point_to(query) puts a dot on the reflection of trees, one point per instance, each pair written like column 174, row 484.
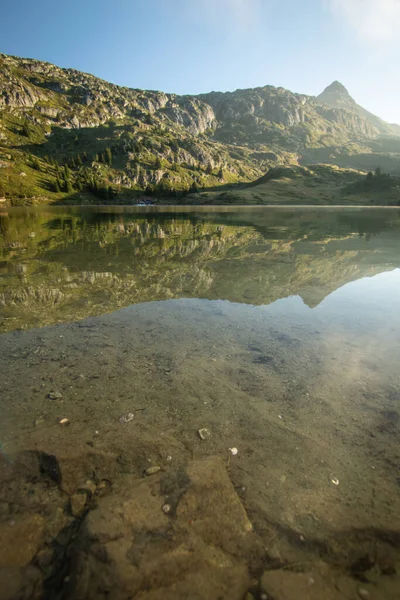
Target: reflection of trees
column 78, row 263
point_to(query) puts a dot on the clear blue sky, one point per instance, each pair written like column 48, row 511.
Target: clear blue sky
column 193, row 46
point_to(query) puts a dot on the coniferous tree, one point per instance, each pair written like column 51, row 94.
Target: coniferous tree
column 26, row 130
column 79, row 160
column 84, row 156
column 57, row 187
column 72, row 163
column 108, row 156
column 68, row 186
column 67, row 173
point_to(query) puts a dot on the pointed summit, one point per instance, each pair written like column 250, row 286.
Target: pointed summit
column 337, row 96
column 336, row 88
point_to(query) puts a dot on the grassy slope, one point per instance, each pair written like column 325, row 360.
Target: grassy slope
column 315, row 185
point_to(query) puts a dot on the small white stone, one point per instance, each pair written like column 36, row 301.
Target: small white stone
column 335, row 481
column 233, row 451
column 64, row 421
column 126, row 418
column 152, row 470
column 166, row 508
column 204, row 434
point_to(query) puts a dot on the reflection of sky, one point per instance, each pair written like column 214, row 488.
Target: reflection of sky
column 378, row 293
column 370, row 302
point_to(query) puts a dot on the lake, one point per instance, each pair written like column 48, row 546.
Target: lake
column 200, row 399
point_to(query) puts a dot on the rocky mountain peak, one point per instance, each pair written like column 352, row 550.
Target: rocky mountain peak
column 336, row 88
column 336, row 96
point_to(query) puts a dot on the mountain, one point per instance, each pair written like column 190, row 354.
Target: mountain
column 70, row 136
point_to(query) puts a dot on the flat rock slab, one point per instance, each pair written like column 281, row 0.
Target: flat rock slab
column 130, row 546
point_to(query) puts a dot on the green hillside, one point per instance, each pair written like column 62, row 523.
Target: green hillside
column 69, row 137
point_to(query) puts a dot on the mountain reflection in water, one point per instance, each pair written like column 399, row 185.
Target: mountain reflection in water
column 59, row 265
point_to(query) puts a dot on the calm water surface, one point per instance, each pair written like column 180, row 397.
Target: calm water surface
column 276, row 330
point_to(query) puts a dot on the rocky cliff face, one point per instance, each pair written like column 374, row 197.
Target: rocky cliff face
column 200, row 141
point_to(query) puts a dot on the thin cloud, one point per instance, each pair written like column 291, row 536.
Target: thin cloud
column 228, row 14
column 372, row 20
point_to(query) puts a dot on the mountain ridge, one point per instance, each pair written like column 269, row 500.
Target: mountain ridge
column 166, row 143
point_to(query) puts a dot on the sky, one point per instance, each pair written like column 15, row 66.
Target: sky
column 194, row 46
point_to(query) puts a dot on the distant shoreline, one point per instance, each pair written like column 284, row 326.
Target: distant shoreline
column 202, row 207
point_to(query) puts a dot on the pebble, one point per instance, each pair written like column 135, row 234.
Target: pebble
column 335, row 481
column 64, row 421
column 103, row 487
column 166, row 508
column 152, row 470
column 78, row 503
column 126, row 418
column 204, row 434
column 54, row 395
column 90, row 486
column 363, row 593
column 233, row 451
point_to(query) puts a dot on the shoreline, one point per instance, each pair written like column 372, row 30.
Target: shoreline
column 204, row 207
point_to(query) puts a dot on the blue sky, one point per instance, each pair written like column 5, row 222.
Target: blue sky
column 193, row 46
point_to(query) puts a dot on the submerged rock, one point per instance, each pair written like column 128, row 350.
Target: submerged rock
column 78, row 504
column 54, row 395
column 152, row 470
column 204, row 434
